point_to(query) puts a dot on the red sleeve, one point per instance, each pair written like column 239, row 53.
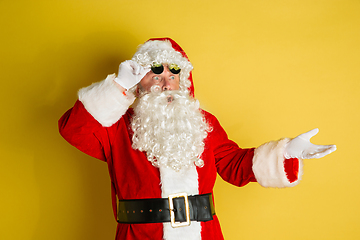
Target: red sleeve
column 233, row 164
column 81, row 130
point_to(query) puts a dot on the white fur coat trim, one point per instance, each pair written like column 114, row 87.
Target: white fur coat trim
column 105, row 102
column 268, row 165
column 176, row 182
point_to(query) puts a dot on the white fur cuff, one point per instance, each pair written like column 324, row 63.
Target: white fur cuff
column 268, row 165
column 105, row 102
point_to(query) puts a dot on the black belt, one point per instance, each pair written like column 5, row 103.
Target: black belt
column 156, row 210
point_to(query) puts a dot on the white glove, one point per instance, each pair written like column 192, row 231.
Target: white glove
column 130, row 74
column 301, row 147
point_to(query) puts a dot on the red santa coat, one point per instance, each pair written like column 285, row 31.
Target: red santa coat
column 133, row 176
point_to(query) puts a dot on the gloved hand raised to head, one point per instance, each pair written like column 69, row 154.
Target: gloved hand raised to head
column 301, row 147
column 130, row 74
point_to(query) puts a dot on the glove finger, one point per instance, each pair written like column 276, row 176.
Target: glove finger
column 143, row 72
column 320, row 151
column 127, row 64
column 136, row 68
column 125, row 77
column 309, row 134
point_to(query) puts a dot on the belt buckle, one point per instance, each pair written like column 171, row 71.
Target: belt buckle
column 172, row 214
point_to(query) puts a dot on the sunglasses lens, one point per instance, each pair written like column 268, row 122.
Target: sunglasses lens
column 174, row 71
column 174, row 68
column 157, row 69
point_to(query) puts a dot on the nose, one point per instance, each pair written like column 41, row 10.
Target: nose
column 165, row 77
column 166, row 85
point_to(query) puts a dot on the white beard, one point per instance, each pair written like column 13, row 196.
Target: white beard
column 170, row 128
column 170, row 131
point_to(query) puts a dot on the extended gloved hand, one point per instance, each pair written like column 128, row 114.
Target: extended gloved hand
column 301, row 147
column 130, row 74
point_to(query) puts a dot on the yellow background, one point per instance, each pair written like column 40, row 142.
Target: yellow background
column 266, row 69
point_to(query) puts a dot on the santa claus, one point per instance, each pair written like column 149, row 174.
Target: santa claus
column 164, row 152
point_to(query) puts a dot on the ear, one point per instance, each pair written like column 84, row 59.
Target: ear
column 137, row 91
